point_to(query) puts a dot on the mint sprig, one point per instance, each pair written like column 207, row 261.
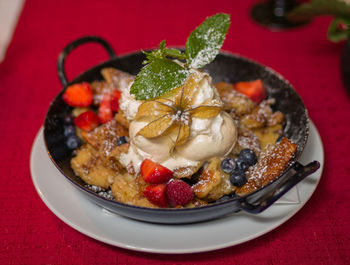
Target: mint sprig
column 168, row 68
column 204, row 42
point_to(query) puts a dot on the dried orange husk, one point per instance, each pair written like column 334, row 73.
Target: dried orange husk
column 188, row 92
column 154, row 109
column 157, row 127
column 205, row 112
column 183, row 133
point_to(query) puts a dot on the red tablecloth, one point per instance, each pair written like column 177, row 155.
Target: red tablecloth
column 31, row 234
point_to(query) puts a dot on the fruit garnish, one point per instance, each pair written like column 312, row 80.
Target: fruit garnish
column 73, row 142
column 121, row 140
column 178, row 193
column 254, row 90
column 78, row 95
column 156, row 194
column 87, row 121
column 168, row 115
column 105, row 113
column 228, row 165
column 154, row 173
column 115, row 100
column 162, row 73
column 248, row 155
column 238, row 178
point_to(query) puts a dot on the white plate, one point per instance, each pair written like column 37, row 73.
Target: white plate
column 72, row 207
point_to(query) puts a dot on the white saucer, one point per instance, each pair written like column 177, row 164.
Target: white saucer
column 71, row 206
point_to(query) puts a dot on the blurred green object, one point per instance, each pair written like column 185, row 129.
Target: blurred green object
column 272, row 14
column 339, row 29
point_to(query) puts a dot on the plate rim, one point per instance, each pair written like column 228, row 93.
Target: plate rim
column 66, row 219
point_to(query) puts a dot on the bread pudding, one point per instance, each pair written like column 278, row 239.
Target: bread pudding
column 112, row 155
column 171, row 138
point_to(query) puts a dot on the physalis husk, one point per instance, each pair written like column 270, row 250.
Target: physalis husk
column 176, row 113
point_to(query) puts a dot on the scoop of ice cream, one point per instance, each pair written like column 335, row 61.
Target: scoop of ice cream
column 209, row 137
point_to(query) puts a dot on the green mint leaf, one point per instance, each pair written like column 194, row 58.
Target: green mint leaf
column 338, row 30
column 175, row 53
column 157, row 78
column 336, row 8
column 162, row 45
column 205, row 41
column 163, row 53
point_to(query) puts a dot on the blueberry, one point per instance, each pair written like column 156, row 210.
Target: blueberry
column 69, row 130
column 68, row 118
column 248, row 156
column 73, row 142
column 122, row 140
column 238, row 178
column 228, row 165
column 242, row 165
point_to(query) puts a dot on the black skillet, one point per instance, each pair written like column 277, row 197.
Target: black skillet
column 226, row 67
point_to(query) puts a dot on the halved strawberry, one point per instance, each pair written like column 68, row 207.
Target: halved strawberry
column 156, row 194
column 87, row 121
column 115, row 100
column 78, row 95
column 254, row 90
column 154, row 173
column 105, row 113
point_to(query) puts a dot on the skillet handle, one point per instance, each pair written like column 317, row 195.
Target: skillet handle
column 70, row 47
column 301, row 172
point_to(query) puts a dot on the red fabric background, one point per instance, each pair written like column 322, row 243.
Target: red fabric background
column 31, row 234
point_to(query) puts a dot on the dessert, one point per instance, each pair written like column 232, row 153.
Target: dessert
column 170, row 137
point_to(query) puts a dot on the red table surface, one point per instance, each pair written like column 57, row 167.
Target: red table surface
column 31, row 234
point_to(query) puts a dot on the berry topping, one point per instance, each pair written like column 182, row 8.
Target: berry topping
column 154, row 173
column 115, row 100
column 69, row 130
column 254, row 90
column 105, row 113
column 178, row 193
column 73, row 142
column 228, row 165
column 121, row 140
column 87, row 121
column 242, row 165
column 248, row 156
column 68, row 119
column 156, row 194
column 238, row 178
column 78, row 95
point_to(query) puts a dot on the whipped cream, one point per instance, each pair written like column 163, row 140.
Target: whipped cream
column 128, row 103
column 211, row 137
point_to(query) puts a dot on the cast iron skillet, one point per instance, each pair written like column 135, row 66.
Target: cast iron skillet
column 226, row 67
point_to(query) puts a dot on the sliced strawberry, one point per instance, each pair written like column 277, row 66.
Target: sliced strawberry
column 156, row 194
column 115, row 100
column 254, row 90
column 105, row 113
column 178, row 192
column 154, row 173
column 87, row 121
column 78, row 95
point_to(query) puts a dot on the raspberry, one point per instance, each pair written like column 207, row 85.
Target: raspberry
column 178, row 193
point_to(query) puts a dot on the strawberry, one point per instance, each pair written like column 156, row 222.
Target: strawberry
column 178, row 192
column 78, row 95
column 254, row 90
column 86, row 121
column 115, row 100
column 156, row 194
column 105, row 113
column 154, row 173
